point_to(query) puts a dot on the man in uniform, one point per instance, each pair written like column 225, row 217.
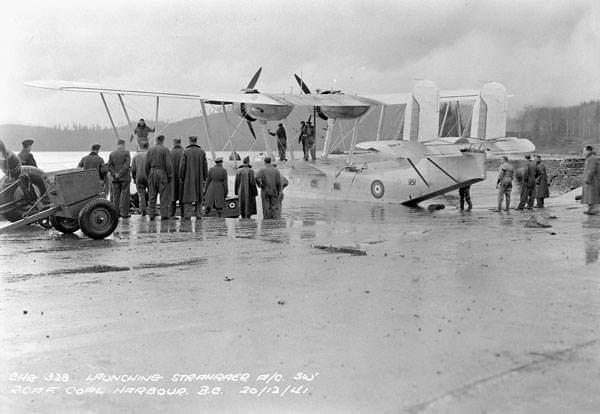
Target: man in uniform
column 159, row 170
column 528, row 190
column 138, row 173
column 541, row 182
column 465, row 195
column 302, row 139
column 504, row 183
column 245, row 189
column 118, row 165
column 141, row 132
column 25, row 155
column 270, row 183
column 311, row 142
column 216, row 187
column 193, row 170
column 93, row 161
column 281, row 141
column 591, row 180
column 176, row 187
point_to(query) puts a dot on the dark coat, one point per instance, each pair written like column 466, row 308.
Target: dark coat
column 216, row 187
column 193, row 171
column 27, row 158
column 245, row 188
column 93, row 161
column 118, row 165
column 159, row 157
column 530, row 173
column 591, row 180
column 269, row 180
column 541, row 182
column 176, row 154
column 138, row 168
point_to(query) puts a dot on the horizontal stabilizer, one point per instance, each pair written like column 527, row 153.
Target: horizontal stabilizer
column 508, row 145
column 396, row 148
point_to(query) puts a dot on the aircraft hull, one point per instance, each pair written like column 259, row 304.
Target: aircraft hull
column 390, row 181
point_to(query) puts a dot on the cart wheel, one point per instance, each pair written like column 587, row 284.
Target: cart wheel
column 65, row 225
column 98, row 218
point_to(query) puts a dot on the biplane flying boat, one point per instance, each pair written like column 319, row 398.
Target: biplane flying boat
column 419, row 163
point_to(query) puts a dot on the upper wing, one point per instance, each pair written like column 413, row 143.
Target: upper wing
column 226, row 98
column 229, row 98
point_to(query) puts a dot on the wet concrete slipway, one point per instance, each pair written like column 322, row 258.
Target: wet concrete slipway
column 444, row 312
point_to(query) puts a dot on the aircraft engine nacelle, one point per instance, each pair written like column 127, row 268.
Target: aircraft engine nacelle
column 344, row 112
column 252, row 112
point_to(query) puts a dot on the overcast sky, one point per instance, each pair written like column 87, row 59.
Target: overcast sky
column 544, row 52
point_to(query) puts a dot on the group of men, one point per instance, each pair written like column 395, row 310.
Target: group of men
column 306, row 138
column 182, row 175
column 531, row 179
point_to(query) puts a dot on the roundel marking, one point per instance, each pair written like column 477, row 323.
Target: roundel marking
column 377, row 189
column 231, row 205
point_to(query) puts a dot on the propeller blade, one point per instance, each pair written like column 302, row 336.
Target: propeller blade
column 251, row 128
column 303, row 85
column 254, row 79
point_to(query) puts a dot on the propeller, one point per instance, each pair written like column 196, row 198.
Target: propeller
column 306, row 90
column 252, row 83
column 250, row 88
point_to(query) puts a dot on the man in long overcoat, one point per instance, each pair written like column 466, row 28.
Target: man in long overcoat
column 176, row 185
column 193, row 171
column 270, row 183
column 119, row 163
column 216, row 188
column 159, row 170
column 528, row 190
column 591, row 180
column 541, row 182
column 245, row 189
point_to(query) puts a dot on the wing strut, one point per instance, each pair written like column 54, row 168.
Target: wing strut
column 156, row 118
column 412, row 164
column 442, row 170
column 109, row 115
column 380, row 124
column 207, row 129
column 126, row 115
column 230, row 141
column 353, row 142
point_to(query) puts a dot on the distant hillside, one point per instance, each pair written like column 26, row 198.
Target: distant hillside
column 80, row 138
column 562, row 130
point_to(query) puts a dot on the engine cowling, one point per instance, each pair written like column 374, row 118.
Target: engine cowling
column 253, row 112
column 344, row 112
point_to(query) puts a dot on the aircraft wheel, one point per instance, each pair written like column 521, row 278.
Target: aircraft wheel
column 65, row 225
column 98, row 218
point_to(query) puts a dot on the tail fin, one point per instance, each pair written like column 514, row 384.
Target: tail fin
column 422, row 113
column 489, row 112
